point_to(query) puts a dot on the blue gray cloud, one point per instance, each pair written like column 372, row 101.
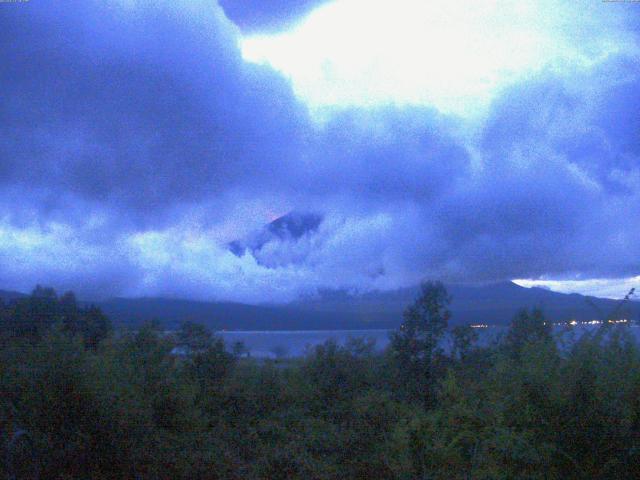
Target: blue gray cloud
column 136, row 144
column 267, row 15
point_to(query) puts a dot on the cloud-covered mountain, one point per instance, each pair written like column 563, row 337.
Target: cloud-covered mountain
column 137, row 143
column 493, row 304
column 287, row 228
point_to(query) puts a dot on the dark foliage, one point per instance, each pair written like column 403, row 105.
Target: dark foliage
column 79, row 403
column 416, row 345
column 34, row 316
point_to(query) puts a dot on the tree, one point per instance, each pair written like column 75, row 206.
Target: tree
column 209, row 366
column 194, row 336
column 34, row 315
column 527, row 327
column 95, row 326
column 70, row 312
column 463, row 338
column 416, row 343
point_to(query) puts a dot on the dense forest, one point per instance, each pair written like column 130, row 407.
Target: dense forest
column 80, row 400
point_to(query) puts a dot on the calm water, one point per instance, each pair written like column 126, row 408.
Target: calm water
column 274, row 344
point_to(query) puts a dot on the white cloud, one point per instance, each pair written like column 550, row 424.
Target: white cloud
column 605, row 288
column 452, row 55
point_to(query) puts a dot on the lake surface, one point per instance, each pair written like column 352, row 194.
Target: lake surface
column 287, row 343
column 281, row 344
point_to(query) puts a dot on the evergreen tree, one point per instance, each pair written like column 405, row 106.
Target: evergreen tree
column 417, row 343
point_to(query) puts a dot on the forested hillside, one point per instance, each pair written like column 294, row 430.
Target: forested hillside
column 493, row 304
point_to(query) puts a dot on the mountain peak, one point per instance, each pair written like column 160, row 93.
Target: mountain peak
column 295, row 224
column 292, row 226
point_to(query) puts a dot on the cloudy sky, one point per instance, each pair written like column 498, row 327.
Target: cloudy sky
column 465, row 141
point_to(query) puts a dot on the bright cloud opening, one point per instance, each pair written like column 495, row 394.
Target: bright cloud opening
column 452, row 55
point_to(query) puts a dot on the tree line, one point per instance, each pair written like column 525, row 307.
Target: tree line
column 82, row 401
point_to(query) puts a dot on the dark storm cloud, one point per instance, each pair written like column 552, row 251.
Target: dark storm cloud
column 559, row 180
column 268, row 15
column 553, row 191
column 119, row 117
column 389, row 153
column 136, row 144
column 143, row 107
column 589, row 119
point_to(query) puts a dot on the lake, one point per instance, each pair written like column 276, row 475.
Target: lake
column 281, row 343
column 287, row 343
